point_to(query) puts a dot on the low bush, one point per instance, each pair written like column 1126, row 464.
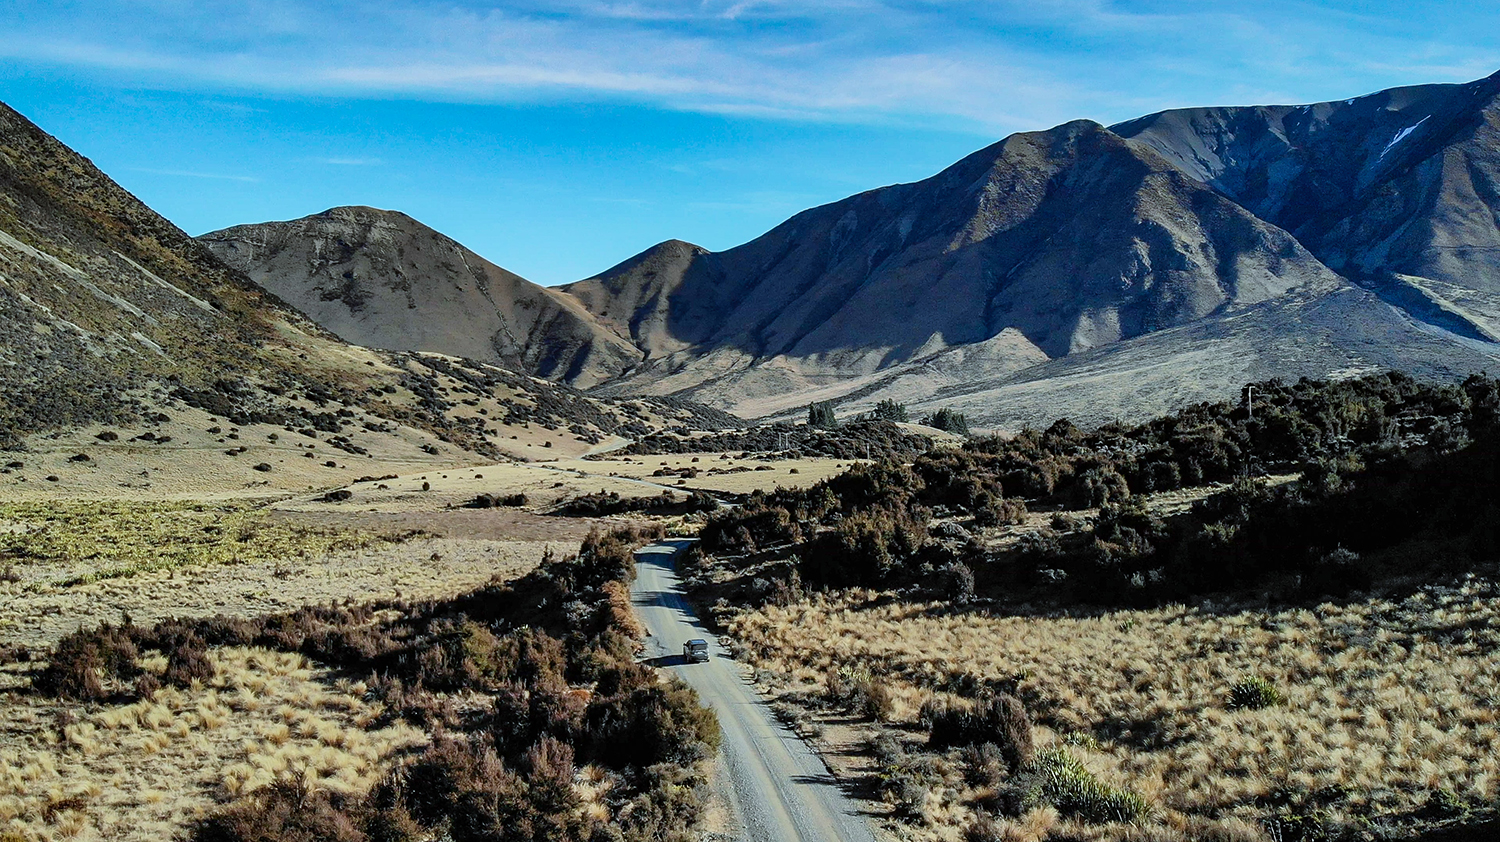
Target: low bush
column 1253, row 693
column 496, row 501
column 997, row 719
column 1058, row 779
column 604, row 504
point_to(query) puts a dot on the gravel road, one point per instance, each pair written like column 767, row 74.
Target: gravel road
column 778, row 788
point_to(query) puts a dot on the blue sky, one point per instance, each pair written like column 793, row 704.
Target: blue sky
column 558, row 137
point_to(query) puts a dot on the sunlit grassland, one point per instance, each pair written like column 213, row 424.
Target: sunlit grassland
column 86, row 542
column 144, row 769
column 1388, row 708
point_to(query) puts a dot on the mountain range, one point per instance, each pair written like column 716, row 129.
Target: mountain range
column 127, row 348
column 1099, row 272
column 1102, row 271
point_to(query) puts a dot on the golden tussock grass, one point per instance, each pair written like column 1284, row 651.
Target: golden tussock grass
column 418, row 569
column 141, row 771
column 1386, row 701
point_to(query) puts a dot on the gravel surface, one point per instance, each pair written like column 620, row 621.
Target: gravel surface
column 779, row 789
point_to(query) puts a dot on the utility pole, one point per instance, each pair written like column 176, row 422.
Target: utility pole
column 1250, row 403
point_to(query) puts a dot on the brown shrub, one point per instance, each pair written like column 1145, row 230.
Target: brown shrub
column 188, row 662
column 994, row 718
column 283, row 812
column 81, row 663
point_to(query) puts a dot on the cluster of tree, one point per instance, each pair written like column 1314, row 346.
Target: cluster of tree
column 859, row 439
column 889, row 410
column 820, row 416
column 554, row 652
column 605, row 503
column 1373, row 436
column 948, row 421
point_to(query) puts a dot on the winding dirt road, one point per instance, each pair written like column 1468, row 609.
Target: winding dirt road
column 779, row 789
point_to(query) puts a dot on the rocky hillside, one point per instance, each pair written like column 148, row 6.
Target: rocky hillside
column 1116, row 271
column 382, row 279
column 132, row 358
column 105, row 304
column 1099, row 271
column 1396, row 190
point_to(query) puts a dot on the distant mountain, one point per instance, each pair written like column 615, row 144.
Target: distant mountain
column 122, row 335
column 1289, row 233
column 1398, row 191
column 382, row 279
column 1144, row 265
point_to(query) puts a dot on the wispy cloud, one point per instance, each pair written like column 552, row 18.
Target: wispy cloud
column 190, row 174
column 1001, row 64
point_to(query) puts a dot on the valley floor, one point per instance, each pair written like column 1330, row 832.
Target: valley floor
column 1388, row 706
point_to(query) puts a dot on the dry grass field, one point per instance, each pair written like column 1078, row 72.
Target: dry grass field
column 548, row 483
column 143, row 770
column 1387, row 709
column 72, row 564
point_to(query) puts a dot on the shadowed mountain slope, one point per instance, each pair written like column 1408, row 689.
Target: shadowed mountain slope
column 1301, row 240
column 1396, row 190
column 1088, row 241
column 382, row 279
column 1069, row 239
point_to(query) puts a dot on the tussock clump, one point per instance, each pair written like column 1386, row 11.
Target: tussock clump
column 1057, row 779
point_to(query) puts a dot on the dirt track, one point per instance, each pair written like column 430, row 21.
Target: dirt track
column 779, row 789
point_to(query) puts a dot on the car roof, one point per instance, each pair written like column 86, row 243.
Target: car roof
column 697, row 640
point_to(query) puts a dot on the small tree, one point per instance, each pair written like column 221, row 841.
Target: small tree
column 889, row 410
column 820, row 415
column 948, row 421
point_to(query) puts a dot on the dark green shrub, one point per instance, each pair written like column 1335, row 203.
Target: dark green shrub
column 1097, row 487
column 1337, row 573
column 1001, row 511
column 1057, row 778
column 864, row 548
column 1253, row 693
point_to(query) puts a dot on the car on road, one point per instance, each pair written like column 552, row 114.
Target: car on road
column 695, row 650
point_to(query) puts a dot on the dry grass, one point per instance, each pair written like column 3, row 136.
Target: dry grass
column 140, row 771
column 418, row 569
column 81, row 542
column 1387, row 703
column 144, row 770
column 548, row 483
